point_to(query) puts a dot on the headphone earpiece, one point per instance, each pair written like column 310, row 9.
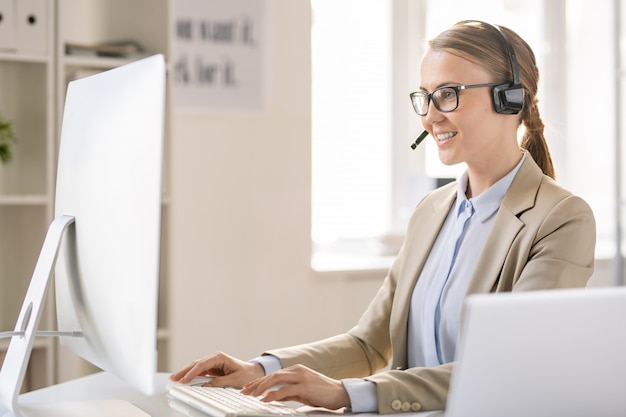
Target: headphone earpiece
column 508, row 98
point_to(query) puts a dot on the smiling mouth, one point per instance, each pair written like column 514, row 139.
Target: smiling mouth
column 445, row 136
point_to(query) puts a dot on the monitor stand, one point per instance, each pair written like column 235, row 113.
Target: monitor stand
column 22, row 339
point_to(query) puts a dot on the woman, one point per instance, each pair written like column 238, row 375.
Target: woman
column 504, row 225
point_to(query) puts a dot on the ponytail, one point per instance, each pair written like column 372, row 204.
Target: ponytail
column 533, row 140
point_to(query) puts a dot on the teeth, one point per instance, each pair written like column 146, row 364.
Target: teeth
column 444, row 136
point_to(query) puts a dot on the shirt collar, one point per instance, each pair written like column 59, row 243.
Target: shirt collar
column 487, row 203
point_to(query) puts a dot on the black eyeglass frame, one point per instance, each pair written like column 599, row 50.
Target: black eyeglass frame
column 429, row 96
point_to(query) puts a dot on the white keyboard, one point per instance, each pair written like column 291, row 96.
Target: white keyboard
column 227, row 402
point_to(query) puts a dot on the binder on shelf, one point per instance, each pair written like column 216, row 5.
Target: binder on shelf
column 31, row 25
column 114, row 49
column 7, row 25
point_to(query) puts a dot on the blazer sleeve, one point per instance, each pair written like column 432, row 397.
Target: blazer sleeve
column 362, row 351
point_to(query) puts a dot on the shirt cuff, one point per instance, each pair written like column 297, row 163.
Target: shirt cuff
column 268, row 362
column 362, row 393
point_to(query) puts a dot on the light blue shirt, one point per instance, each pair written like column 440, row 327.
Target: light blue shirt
column 439, row 344
column 434, row 343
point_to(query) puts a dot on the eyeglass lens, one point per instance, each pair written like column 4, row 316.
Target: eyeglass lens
column 445, row 99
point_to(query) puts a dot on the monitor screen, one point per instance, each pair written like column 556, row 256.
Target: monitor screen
column 109, row 178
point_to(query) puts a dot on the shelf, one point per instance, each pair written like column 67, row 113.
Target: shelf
column 23, row 58
column 163, row 334
column 37, row 344
column 96, row 62
column 24, row 200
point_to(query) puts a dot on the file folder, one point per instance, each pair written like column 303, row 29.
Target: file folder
column 7, row 25
column 32, row 22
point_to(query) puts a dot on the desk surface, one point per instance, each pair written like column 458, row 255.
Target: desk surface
column 105, row 386
column 100, row 386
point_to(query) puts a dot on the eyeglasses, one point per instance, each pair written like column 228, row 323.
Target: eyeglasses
column 445, row 99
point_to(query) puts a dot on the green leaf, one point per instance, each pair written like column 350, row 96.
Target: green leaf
column 7, row 137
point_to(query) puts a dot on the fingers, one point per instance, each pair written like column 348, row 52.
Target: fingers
column 234, row 380
column 268, row 391
column 299, row 383
column 287, row 377
column 288, row 393
column 177, row 376
column 226, row 370
column 217, row 364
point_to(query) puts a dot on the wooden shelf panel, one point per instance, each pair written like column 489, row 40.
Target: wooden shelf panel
column 24, row 58
column 24, row 200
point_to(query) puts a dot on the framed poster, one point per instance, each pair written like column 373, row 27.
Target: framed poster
column 218, row 53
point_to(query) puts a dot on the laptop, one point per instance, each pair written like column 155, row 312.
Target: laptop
column 542, row 353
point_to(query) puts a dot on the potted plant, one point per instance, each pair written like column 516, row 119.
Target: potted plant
column 7, row 139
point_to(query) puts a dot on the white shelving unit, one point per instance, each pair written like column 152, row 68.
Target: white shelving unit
column 33, row 81
column 27, row 86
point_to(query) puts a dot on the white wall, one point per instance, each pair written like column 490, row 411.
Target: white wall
column 240, row 193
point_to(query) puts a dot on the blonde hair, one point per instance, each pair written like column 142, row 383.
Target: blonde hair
column 481, row 43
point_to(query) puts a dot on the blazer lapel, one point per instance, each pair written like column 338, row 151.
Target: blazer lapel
column 519, row 198
column 422, row 232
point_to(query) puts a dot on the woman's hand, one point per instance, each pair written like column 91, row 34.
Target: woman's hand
column 226, row 370
column 302, row 384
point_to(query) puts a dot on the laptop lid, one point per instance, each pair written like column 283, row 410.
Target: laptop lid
column 551, row 353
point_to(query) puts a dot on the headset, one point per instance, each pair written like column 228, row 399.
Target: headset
column 508, row 98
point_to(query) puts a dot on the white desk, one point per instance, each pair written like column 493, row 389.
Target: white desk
column 104, row 386
column 99, row 386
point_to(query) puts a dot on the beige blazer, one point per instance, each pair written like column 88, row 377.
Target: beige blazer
column 543, row 237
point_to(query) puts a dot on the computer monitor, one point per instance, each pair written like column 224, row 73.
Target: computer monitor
column 106, row 230
column 109, row 180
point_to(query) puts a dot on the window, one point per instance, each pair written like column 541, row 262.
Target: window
column 351, row 71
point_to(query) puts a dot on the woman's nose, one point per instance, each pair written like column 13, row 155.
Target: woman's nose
column 434, row 114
